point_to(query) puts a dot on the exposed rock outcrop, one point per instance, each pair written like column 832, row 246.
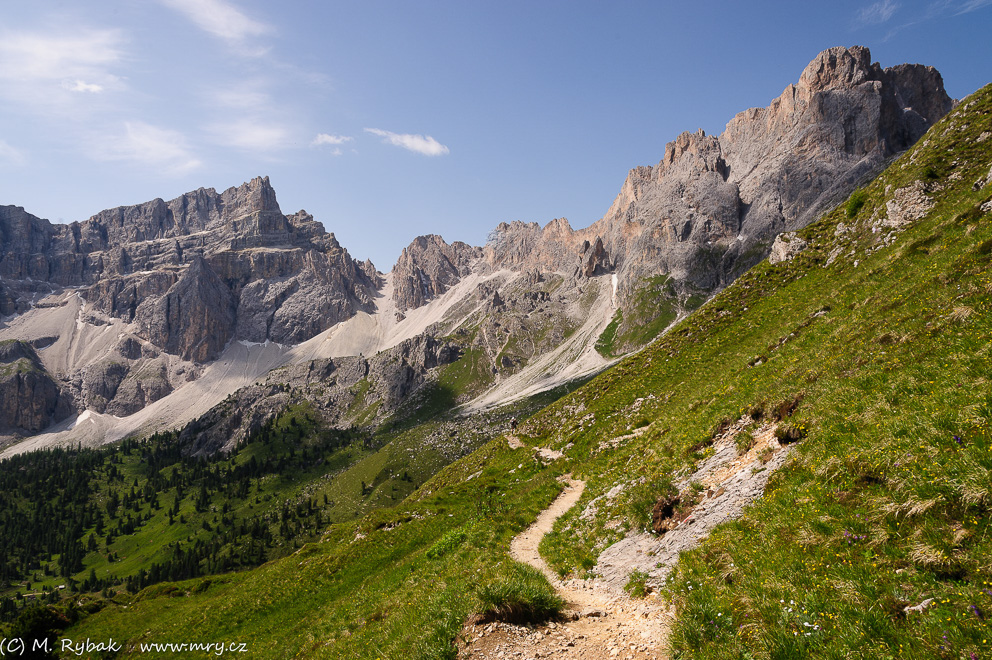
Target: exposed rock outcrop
column 428, row 267
column 265, row 275
column 712, row 207
column 30, row 399
column 907, row 205
column 144, row 384
column 349, row 391
column 194, row 319
column 786, row 246
column 554, row 248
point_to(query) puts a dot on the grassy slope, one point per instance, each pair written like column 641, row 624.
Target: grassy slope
column 367, row 589
column 881, row 507
column 343, row 484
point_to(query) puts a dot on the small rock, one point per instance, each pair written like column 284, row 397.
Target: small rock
column 918, row 608
column 786, row 246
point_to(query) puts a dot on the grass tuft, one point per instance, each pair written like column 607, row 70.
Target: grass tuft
column 637, row 585
column 521, row 595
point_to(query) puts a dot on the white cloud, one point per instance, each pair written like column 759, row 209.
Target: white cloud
column 878, row 12
column 9, row 155
column 223, row 20
column 326, row 138
column 148, row 145
column 940, row 9
column 82, row 86
column 251, row 134
column 422, row 144
column 80, row 61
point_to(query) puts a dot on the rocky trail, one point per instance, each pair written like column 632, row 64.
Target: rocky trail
column 602, row 622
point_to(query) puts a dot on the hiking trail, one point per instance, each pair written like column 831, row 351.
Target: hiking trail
column 605, row 622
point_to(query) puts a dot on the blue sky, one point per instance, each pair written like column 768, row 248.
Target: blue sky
column 387, row 120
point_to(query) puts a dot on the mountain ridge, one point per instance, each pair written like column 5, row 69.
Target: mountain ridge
column 182, row 282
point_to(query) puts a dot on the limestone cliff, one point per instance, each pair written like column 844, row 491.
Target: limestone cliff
column 30, row 399
column 194, row 272
column 711, row 208
column 428, row 267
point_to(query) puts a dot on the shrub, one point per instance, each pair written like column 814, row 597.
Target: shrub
column 856, row 201
column 446, row 544
column 642, row 499
column 789, row 433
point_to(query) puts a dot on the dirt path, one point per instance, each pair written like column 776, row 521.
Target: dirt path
column 602, row 623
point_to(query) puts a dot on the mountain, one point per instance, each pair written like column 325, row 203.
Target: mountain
column 849, row 379
column 195, row 272
column 151, row 315
column 713, row 205
column 177, row 282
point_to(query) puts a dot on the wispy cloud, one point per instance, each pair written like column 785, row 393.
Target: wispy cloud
column 10, row 155
column 81, row 61
column 82, row 86
column 422, row 144
column 970, row 6
column 327, row 138
column 224, row 21
column 148, row 145
column 940, row 9
column 244, row 96
column 878, row 12
column 251, row 134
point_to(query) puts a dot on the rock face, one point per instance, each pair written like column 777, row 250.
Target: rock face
column 711, row 208
column 428, row 267
column 349, row 391
column 132, row 376
column 194, row 319
column 192, row 273
column 180, row 280
column 30, row 400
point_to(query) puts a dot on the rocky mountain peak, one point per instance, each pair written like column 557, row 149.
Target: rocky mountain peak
column 557, row 228
column 428, row 267
column 696, row 152
column 837, row 67
column 255, row 196
column 193, row 272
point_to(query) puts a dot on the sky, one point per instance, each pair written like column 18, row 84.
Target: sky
column 388, row 120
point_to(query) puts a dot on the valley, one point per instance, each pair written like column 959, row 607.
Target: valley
column 338, row 481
